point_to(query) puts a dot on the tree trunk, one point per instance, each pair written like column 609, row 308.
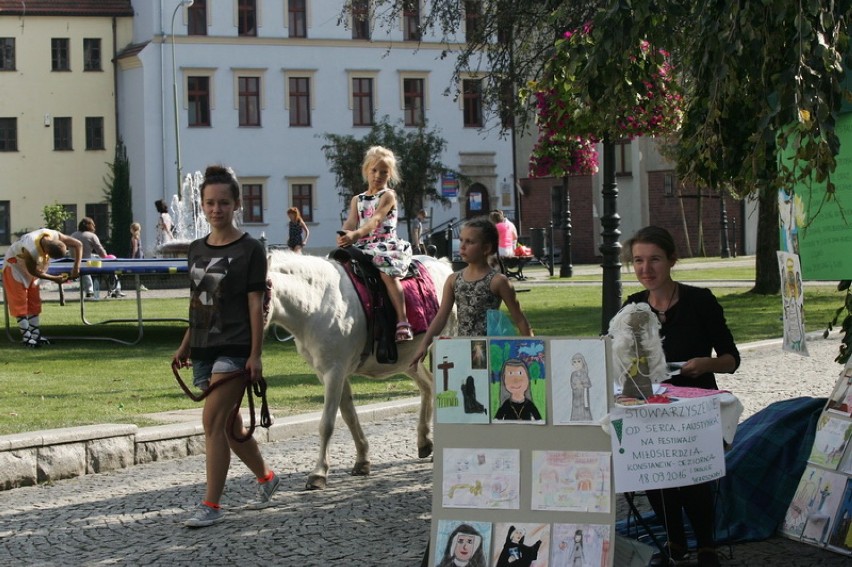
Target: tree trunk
column 767, row 280
column 685, row 225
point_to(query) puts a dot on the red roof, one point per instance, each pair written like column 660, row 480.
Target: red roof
column 66, row 8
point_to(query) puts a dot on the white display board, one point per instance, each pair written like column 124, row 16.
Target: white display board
column 522, row 466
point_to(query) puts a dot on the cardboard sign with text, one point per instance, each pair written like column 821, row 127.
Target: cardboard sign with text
column 667, row 445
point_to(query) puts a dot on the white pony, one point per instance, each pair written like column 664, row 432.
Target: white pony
column 314, row 299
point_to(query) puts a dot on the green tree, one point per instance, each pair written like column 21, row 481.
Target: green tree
column 119, row 194
column 55, row 216
column 419, row 159
column 759, row 76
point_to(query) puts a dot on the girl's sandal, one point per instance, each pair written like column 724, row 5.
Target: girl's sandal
column 403, row 332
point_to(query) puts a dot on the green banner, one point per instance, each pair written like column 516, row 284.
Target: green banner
column 822, row 228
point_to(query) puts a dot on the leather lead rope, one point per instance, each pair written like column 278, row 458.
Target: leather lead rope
column 258, row 388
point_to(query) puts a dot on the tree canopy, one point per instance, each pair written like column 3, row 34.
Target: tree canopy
column 761, row 78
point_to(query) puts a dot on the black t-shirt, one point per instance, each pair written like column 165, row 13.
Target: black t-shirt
column 221, row 277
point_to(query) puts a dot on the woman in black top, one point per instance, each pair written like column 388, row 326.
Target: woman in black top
column 693, row 327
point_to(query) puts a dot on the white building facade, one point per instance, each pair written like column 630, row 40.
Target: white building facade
column 258, row 84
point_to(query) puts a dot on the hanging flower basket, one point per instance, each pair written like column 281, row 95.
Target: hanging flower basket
column 573, row 114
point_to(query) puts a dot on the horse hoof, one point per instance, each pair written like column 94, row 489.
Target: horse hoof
column 361, row 469
column 316, row 482
column 424, row 451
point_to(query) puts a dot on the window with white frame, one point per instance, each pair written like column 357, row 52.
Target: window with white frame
column 199, row 96
column 413, row 89
column 8, row 134
column 472, row 102
column 411, row 20
column 623, row 159
column 302, row 196
column 360, row 11
column 297, row 18
column 7, row 53
column 299, row 96
column 92, row 54
column 247, row 18
column 6, row 222
column 196, row 17
column 62, row 138
column 60, row 59
column 249, row 95
column 363, row 99
column 252, row 201
column 95, row 133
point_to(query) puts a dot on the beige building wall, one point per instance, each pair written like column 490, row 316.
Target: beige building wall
column 36, row 174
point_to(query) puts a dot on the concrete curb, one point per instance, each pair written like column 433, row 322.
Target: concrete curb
column 46, row 456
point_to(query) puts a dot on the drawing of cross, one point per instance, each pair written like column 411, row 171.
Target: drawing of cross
column 445, row 366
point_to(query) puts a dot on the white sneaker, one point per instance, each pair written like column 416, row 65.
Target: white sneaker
column 265, row 490
column 205, row 516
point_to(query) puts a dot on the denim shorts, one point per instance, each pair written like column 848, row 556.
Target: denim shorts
column 202, row 370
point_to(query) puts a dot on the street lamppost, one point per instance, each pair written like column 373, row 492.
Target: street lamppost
column 610, row 247
column 565, row 268
column 723, row 221
column 181, row 4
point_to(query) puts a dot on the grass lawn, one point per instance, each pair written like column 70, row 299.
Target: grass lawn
column 74, row 383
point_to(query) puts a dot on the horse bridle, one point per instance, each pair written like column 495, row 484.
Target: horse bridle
column 258, row 387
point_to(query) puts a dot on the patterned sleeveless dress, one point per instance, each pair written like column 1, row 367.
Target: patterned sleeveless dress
column 390, row 254
column 473, row 300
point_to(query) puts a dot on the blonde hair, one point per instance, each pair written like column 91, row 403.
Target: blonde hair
column 377, row 154
column 135, row 229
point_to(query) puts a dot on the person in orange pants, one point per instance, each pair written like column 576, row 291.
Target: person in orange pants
column 24, row 264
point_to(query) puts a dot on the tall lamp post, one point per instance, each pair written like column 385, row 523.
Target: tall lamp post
column 565, row 268
column 723, row 222
column 181, row 4
column 610, row 247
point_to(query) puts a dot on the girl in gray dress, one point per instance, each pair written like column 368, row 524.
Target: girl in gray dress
column 475, row 289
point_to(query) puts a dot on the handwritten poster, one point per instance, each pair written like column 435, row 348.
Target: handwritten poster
column 481, row 478
column 667, row 445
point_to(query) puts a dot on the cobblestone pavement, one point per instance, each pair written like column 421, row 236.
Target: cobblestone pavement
column 134, row 516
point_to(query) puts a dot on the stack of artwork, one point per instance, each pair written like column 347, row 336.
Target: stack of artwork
column 821, row 510
column 508, row 494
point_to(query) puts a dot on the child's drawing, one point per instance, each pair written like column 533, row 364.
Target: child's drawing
column 481, row 478
column 461, row 381
column 518, row 384
column 571, row 481
column 579, row 377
